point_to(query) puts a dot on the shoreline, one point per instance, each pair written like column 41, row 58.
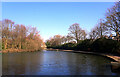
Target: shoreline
column 115, row 60
column 112, row 57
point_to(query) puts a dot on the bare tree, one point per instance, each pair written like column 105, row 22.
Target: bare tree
column 99, row 31
column 101, row 28
column 55, row 40
column 15, row 36
column 93, row 34
column 0, row 28
column 113, row 19
column 64, row 39
column 76, row 32
column 83, row 36
column 6, row 31
column 69, row 38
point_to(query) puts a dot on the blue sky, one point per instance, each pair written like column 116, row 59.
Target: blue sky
column 53, row 18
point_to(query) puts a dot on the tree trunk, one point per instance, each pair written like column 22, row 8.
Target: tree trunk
column 12, row 46
column 20, row 45
column 5, row 47
column 117, row 36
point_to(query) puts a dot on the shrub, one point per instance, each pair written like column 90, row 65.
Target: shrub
column 84, row 45
column 68, row 46
column 104, row 45
column 117, row 49
column 65, row 46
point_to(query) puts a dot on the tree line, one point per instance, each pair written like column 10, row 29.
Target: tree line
column 18, row 37
column 98, row 36
column 111, row 23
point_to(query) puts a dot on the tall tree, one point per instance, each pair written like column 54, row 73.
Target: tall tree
column 84, row 34
column 113, row 19
column 76, row 32
column 6, row 31
column 0, row 35
column 101, row 28
column 64, row 39
column 69, row 38
column 99, row 31
column 55, row 40
column 15, row 36
column 93, row 34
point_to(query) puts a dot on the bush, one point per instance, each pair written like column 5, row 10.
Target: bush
column 84, row 45
column 68, row 46
column 104, row 45
column 117, row 49
column 65, row 46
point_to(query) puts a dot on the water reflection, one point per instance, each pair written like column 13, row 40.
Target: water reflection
column 55, row 63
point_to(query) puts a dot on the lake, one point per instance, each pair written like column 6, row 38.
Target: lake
column 55, row 63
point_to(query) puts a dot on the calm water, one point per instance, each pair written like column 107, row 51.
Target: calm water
column 55, row 63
